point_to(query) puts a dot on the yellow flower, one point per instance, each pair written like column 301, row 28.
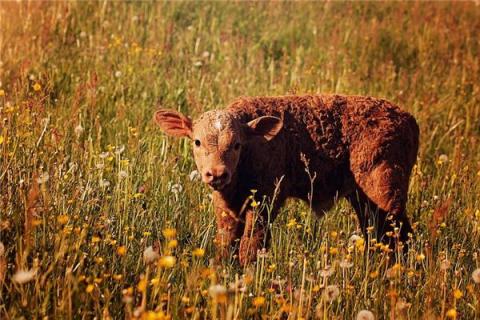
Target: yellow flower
column 258, row 301
column 373, row 274
column 121, row 251
column 142, row 285
column 254, row 203
column 334, row 234
column 167, row 261
column 452, row 314
column 62, row 219
column 420, row 257
column 89, row 288
column 2, row 92
column 169, row 233
column 95, row 239
column 199, row 252
column 37, row 87
column 291, row 223
column 172, row 244
column 457, row 294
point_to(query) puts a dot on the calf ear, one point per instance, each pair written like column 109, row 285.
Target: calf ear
column 266, row 126
column 173, row 123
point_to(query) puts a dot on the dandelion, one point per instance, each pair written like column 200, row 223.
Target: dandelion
column 122, row 174
column 258, row 301
column 79, row 130
column 150, row 255
column 365, row 315
column 327, row 271
column 345, row 264
column 37, row 87
column 420, row 257
column 332, row 292
column 476, row 275
column 218, row 292
column 43, row 177
column 142, row 285
column 121, row 251
column 169, row 233
column 24, row 276
column 104, row 183
column 172, row 244
column 354, row 240
column 199, row 252
column 457, row 294
column 167, row 261
column 194, row 175
column 442, row 158
column 452, row 314
column 90, row 288
column 118, row 74
column 62, row 219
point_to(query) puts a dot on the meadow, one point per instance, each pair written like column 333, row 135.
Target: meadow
column 103, row 217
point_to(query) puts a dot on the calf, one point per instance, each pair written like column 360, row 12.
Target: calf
column 359, row 148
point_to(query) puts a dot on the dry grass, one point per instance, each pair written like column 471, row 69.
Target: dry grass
column 88, row 184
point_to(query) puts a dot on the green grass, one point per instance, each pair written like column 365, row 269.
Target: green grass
column 79, row 84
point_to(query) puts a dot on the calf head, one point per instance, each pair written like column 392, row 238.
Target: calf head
column 218, row 138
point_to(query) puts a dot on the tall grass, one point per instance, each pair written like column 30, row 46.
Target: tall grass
column 99, row 216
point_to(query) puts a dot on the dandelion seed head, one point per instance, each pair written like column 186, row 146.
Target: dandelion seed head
column 24, row 276
column 365, row 315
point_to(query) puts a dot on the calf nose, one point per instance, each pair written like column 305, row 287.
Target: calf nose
column 216, row 176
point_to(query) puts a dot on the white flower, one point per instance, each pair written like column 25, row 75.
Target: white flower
column 217, row 290
column 83, row 34
column 2, row 249
column 443, row 158
column 476, row 275
column 332, row 292
column 43, row 177
column 354, row 239
column 198, row 64
column 194, row 175
column 103, row 155
column 327, row 271
column 78, row 130
column 119, row 150
column 122, row 174
column 118, row 74
column 104, row 183
column 345, row 264
column 150, row 255
column 365, row 315
column 24, row 276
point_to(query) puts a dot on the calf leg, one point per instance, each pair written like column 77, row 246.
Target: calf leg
column 255, row 235
column 382, row 195
column 229, row 228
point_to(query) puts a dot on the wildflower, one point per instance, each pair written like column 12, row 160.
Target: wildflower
column 24, row 276
column 327, row 271
column 118, row 74
column 194, row 175
column 334, row 234
column 373, row 274
column 172, row 244
column 442, row 158
column 37, row 87
column 457, row 294
column 150, row 255
column 121, row 251
column 332, row 292
column 258, row 301
column 122, row 174
column 365, row 315
column 452, row 314
column 90, row 288
column 199, row 252
column 79, row 130
column 43, row 177
column 167, row 261
column 218, row 292
column 119, row 150
column 476, row 275
column 104, row 183
column 345, row 264
column 62, row 219
column 169, row 233
column 142, row 285
column 354, row 240
column 420, row 257
column 291, row 223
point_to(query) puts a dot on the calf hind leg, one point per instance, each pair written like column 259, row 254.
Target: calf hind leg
column 381, row 196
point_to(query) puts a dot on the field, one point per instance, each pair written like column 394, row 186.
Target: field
column 100, row 216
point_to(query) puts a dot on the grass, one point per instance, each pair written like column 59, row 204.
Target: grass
column 88, row 183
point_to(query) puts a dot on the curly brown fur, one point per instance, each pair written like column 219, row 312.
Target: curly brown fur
column 360, row 148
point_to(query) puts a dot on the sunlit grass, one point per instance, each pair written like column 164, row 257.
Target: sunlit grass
column 101, row 216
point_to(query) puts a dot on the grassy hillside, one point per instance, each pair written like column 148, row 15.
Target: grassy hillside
column 88, row 183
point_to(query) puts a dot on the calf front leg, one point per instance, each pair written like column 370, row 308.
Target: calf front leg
column 255, row 235
column 229, row 228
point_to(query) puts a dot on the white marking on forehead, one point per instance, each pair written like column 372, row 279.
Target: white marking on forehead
column 218, row 124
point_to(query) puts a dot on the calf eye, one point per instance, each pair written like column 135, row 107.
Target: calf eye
column 236, row 146
column 197, row 143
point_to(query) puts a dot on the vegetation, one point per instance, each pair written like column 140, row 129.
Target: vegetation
column 101, row 216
